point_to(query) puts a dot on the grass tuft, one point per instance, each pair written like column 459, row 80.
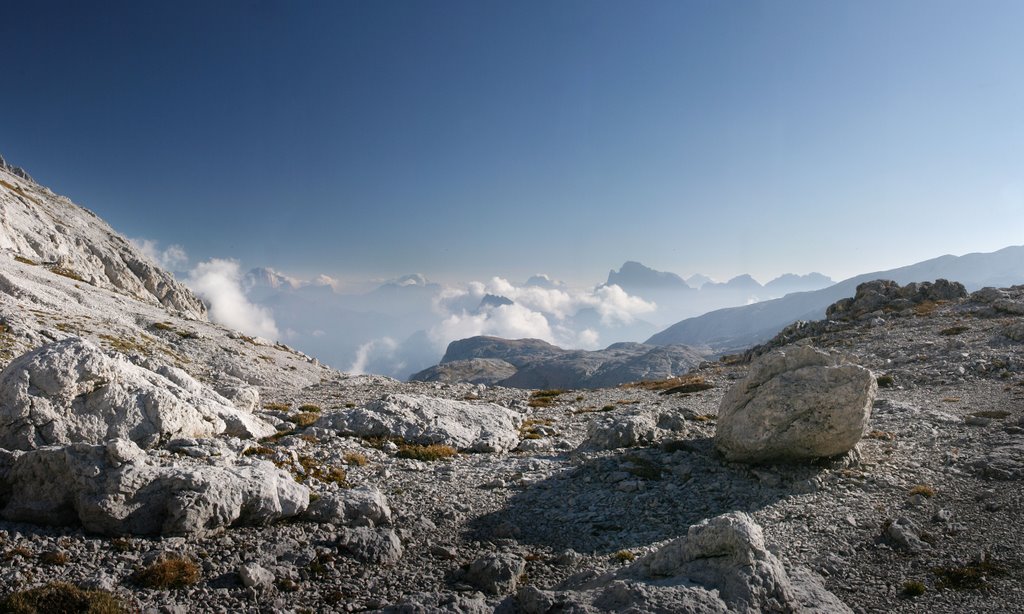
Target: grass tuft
column 357, row 459
column 432, row 452
column 923, row 490
column 913, row 588
column 967, row 577
column 171, row 572
column 60, row 597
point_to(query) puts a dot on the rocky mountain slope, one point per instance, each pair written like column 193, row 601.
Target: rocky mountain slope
column 734, row 328
column 156, row 462
column 532, row 363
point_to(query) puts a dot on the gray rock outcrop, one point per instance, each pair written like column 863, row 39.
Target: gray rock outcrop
column 721, row 565
column 882, row 295
column 793, row 405
column 72, row 391
column 119, row 489
column 45, row 228
column 482, row 427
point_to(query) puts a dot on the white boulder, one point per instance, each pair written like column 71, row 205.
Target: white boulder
column 118, row 489
column 800, row 403
column 477, row 427
column 720, row 565
column 72, row 391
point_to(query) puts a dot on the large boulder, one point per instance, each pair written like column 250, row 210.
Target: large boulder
column 796, row 404
column 72, row 391
column 720, row 565
column 477, row 427
column 119, row 489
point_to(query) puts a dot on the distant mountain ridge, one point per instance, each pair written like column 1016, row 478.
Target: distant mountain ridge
column 736, row 328
column 532, row 363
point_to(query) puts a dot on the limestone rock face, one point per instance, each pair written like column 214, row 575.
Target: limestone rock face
column 721, row 565
column 118, row 489
column 792, row 405
column 72, row 391
column 49, row 229
column 481, row 427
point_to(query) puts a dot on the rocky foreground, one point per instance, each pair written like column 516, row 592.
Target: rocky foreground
column 153, row 461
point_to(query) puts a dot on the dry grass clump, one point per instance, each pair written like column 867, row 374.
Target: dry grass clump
column 432, row 452
column 544, row 398
column 25, row 260
column 885, row 381
column 624, row 556
column 967, row 577
column 914, row 588
column 66, row 272
column 328, row 474
column 881, row 435
column 306, row 418
column 163, row 326
column 277, row 406
column 357, row 459
column 529, row 428
column 21, row 551
column 59, row 598
column 922, row 489
column 309, row 408
column 54, row 557
column 926, row 308
column 171, row 572
column 954, row 330
column 683, row 384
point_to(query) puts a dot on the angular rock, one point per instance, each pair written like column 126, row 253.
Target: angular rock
column 118, row 489
column 72, row 391
column 253, row 575
column 496, row 574
column 905, row 535
column 378, row 546
column 363, row 506
column 792, row 405
column 611, row 432
column 721, row 565
column 483, row 427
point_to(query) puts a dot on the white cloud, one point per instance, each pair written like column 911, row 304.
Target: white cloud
column 616, row 306
column 219, row 283
column 508, row 321
column 537, row 312
column 172, row 258
column 385, row 345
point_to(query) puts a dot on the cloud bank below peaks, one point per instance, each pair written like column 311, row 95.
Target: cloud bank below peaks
column 219, row 283
column 539, row 311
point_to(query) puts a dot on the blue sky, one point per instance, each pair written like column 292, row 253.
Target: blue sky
column 470, row 139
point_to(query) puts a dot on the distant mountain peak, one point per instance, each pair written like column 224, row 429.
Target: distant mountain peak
column 413, row 279
column 634, row 275
column 270, row 278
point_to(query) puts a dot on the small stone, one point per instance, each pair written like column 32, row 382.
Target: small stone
column 255, row 576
